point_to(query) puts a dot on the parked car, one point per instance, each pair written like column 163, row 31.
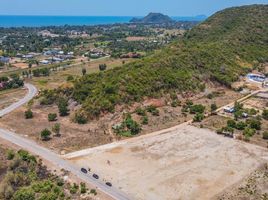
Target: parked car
column 84, row 170
column 109, row 184
column 95, row 176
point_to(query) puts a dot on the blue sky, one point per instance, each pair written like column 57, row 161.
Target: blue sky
column 118, row 7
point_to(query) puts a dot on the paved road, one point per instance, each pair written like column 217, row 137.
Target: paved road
column 50, row 156
column 32, row 91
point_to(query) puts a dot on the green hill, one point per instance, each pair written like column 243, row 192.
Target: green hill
column 220, row 49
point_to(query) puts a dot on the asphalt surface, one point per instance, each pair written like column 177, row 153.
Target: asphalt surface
column 32, row 91
column 50, row 156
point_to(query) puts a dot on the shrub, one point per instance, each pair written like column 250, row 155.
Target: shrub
column 132, row 125
column 198, row 117
column 83, row 188
column 175, row 103
column 254, row 123
column 70, row 78
column 10, row 154
column 197, row 109
column 45, row 134
column 24, row 194
column 153, row 110
column 231, row 123
column 56, row 129
column 140, row 111
column 63, row 107
column 265, row 135
column 52, row 117
column 265, row 114
column 241, row 125
column 102, row 67
column 249, row 132
column 28, row 114
column 144, row 120
column 213, row 107
column 93, row 191
column 80, row 117
column 74, row 188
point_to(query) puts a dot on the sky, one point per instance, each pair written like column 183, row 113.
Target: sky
column 118, row 7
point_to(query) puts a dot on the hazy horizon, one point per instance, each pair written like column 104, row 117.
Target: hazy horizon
column 175, row 8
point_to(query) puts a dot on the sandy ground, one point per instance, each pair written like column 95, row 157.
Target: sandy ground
column 187, row 163
column 7, row 97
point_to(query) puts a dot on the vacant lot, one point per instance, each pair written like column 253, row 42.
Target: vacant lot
column 186, row 163
column 7, row 97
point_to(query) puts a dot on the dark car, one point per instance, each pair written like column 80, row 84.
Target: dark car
column 95, row 176
column 84, row 170
column 109, row 184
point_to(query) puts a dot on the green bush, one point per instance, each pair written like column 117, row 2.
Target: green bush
column 63, row 107
column 197, row 109
column 45, row 134
column 80, row 117
column 254, row 124
column 241, row 125
column 10, row 154
column 265, row 114
column 52, row 117
column 198, row 117
column 140, row 111
column 265, row 135
column 28, row 114
column 153, row 110
column 145, row 120
column 83, row 188
column 231, row 123
column 249, row 132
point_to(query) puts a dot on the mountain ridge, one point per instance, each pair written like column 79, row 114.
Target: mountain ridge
column 157, row 18
column 225, row 46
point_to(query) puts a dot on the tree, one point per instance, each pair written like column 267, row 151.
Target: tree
column 231, row 123
column 45, row 134
column 63, row 107
column 254, row 124
column 249, row 132
column 84, row 71
column 102, row 67
column 241, row 125
column 197, row 109
column 52, row 117
column 28, row 114
column 213, row 107
column 56, row 129
column 30, row 65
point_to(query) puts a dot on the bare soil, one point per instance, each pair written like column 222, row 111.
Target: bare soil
column 251, row 188
column 188, row 163
column 7, row 97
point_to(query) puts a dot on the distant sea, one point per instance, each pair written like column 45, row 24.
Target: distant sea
column 37, row 21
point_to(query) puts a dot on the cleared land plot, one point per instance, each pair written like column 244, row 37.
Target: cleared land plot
column 187, row 163
column 7, row 97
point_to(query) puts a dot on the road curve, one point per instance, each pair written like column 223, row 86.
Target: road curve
column 50, row 156
column 32, row 91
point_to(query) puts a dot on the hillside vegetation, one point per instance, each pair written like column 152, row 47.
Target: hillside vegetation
column 220, row 49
